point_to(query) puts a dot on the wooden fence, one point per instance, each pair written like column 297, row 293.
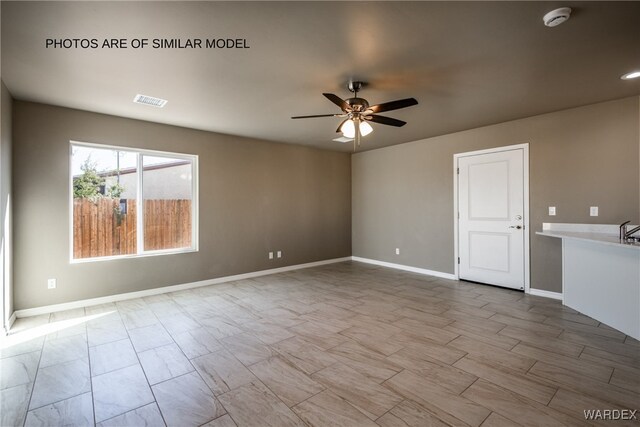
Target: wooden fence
column 100, row 230
column 167, row 224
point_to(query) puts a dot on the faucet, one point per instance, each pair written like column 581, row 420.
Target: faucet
column 630, row 232
column 626, row 234
column 623, row 230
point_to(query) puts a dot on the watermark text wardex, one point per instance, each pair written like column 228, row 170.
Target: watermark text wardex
column 610, row 414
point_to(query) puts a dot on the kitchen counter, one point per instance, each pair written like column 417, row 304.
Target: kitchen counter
column 600, row 274
column 605, row 234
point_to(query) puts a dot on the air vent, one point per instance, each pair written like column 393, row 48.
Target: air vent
column 343, row 139
column 150, row 100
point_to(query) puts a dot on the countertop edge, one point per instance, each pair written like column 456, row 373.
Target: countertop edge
column 604, row 239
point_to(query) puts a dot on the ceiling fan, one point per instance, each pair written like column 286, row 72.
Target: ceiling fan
column 357, row 113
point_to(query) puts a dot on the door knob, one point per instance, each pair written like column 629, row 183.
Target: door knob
column 518, row 217
column 517, row 227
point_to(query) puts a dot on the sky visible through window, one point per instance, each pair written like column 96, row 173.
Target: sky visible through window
column 106, row 159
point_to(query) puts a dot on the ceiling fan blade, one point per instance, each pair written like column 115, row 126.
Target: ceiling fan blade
column 393, row 105
column 387, row 121
column 340, row 126
column 338, row 101
column 317, row 115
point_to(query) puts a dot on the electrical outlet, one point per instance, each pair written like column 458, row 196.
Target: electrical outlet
column 397, row 251
column 552, row 211
column 279, row 254
column 270, row 255
column 51, row 284
column 593, row 211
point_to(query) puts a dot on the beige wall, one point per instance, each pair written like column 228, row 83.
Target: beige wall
column 255, row 197
column 587, row 156
column 5, row 206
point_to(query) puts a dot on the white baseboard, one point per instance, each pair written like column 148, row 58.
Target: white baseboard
column 165, row 289
column 405, row 268
column 173, row 288
column 10, row 322
column 546, row 294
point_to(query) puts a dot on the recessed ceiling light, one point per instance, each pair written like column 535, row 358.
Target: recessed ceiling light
column 150, row 100
column 631, row 75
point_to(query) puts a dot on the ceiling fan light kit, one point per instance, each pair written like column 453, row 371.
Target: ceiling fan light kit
column 357, row 113
column 348, row 128
column 365, row 128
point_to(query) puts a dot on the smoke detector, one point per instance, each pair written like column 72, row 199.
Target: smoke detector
column 557, row 16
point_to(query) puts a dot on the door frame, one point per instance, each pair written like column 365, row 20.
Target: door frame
column 525, row 153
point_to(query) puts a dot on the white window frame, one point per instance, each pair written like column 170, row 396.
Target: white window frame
column 140, row 252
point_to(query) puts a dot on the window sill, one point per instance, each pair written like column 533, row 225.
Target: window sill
column 134, row 256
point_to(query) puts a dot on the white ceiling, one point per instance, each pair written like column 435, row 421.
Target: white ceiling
column 468, row 63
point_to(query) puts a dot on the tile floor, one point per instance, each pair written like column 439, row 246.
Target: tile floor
column 345, row 344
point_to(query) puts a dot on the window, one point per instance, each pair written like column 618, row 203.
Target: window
column 128, row 202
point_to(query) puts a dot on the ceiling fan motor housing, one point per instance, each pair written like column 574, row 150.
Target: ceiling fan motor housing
column 357, row 104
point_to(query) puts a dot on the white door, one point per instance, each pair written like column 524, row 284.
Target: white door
column 491, row 222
